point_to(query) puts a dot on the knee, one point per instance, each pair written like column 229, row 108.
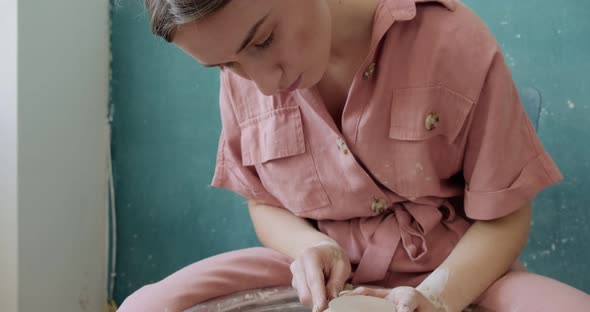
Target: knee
column 144, row 299
column 269, row 253
column 132, row 302
column 254, row 255
column 536, row 292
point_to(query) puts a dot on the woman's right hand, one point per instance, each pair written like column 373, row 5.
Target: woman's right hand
column 319, row 274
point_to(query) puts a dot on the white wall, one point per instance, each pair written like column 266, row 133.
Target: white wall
column 63, row 63
column 8, row 158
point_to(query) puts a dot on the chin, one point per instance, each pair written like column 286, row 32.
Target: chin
column 312, row 79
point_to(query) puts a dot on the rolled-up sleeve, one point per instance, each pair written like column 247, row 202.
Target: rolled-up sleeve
column 505, row 165
column 230, row 173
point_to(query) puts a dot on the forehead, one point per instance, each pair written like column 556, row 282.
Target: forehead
column 216, row 38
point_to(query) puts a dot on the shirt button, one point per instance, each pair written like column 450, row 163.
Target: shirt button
column 431, row 121
column 342, row 146
column 370, row 71
column 379, row 205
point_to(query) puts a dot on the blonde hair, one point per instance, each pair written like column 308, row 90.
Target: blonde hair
column 167, row 15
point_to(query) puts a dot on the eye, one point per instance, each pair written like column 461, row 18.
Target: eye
column 266, row 43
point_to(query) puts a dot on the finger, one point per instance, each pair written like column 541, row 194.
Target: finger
column 315, row 281
column 338, row 277
column 299, row 282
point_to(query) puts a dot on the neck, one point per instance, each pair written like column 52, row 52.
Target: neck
column 352, row 26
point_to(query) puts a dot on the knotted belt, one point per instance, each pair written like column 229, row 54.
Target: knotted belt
column 406, row 222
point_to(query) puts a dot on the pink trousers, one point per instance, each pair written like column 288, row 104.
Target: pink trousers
column 254, row 268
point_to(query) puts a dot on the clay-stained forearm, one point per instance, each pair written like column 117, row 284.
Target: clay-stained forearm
column 482, row 255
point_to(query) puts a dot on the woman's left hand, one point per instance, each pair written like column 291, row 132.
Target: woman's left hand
column 405, row 299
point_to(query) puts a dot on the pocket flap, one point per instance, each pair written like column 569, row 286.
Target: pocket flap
column 422, row 113
column 275, row 134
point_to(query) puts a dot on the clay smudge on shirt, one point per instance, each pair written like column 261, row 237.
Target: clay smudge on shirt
column 419, row 168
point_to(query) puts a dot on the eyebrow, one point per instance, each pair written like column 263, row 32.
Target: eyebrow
column 247, row 40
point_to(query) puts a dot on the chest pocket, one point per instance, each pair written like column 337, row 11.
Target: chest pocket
column 425, row 127
column 275, row 144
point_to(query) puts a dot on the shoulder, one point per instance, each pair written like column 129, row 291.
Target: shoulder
column 452, row 48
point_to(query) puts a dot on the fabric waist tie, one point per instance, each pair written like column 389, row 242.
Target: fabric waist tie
column 406, row 223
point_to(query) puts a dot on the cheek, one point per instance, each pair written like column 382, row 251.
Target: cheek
column 307, row 38
column 310, row 45
column 316, row 50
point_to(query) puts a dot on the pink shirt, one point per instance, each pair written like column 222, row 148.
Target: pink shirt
column 433, row 136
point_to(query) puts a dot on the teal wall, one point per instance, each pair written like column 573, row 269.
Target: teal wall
column 166, row 126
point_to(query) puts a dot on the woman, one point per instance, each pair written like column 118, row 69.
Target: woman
column 378, row 142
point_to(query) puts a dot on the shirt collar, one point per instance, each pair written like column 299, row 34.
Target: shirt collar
column 389, row 11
